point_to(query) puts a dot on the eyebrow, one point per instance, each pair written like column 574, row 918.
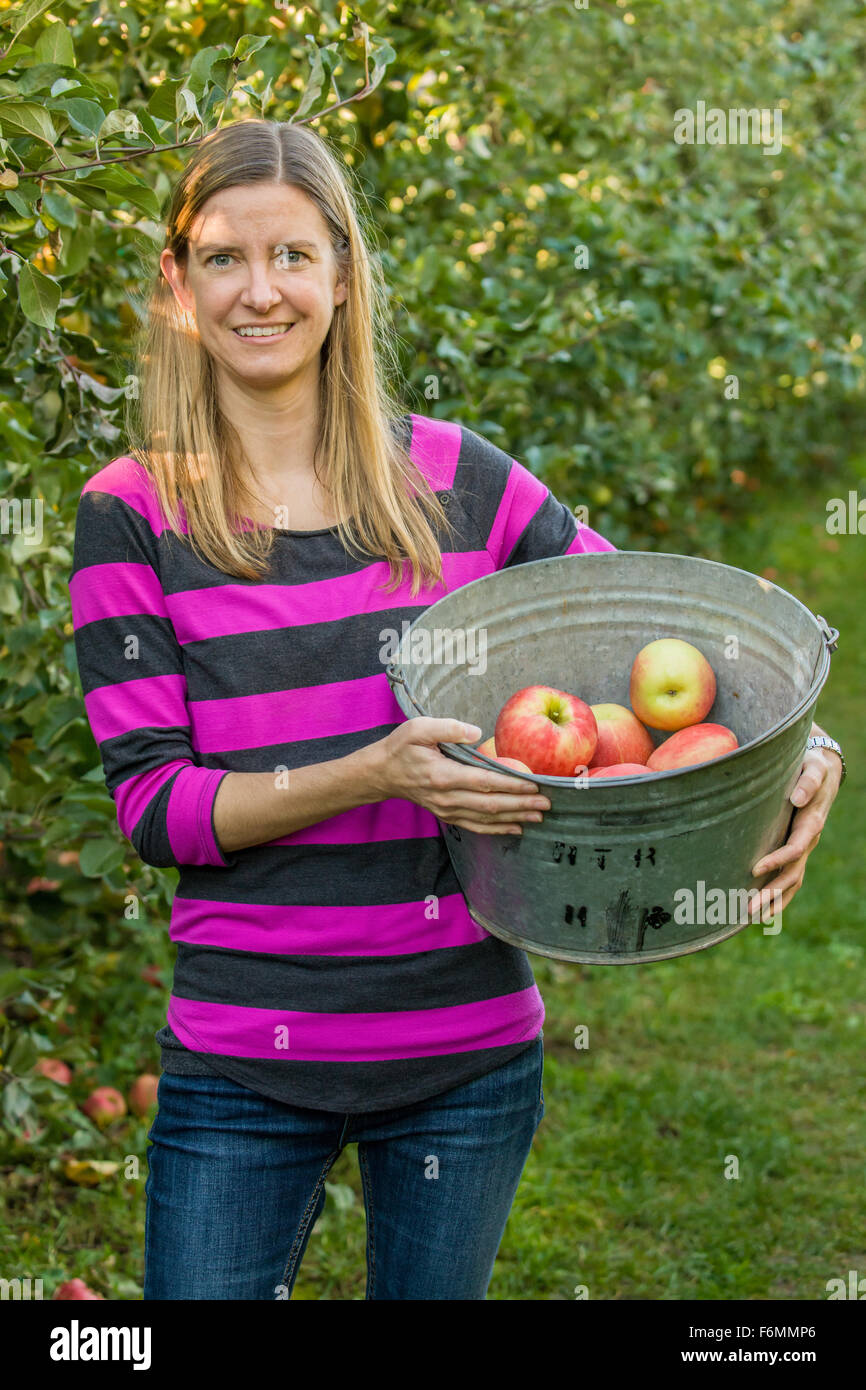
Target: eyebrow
column 289, row 246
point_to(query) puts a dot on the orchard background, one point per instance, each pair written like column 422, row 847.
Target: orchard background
column 670, row 335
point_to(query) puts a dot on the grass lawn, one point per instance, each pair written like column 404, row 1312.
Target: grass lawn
column 752, row 1049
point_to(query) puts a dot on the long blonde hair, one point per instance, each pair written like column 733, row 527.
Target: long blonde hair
column 194, row 455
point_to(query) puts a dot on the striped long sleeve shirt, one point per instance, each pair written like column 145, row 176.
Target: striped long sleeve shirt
column 308, row 968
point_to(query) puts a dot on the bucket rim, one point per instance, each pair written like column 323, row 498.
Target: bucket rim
column 461, row 753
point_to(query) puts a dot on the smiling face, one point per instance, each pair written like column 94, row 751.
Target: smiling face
column 259, row 258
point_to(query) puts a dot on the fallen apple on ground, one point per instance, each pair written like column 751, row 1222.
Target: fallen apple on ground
column 672, row 685
column 54, row 1069
column 552, row 732
column 621, row 770
column 699, row 743
column 75, row 1289
column 104, row 1105
column 143, row 1093
column 621, row 737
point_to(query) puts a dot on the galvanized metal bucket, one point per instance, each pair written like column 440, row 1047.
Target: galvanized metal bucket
column 642, row 868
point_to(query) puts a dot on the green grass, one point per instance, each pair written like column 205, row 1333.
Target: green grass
column 752, row 1049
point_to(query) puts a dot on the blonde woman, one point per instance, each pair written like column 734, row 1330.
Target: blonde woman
column 233, row 577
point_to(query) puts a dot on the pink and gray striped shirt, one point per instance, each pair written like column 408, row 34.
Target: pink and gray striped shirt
column 308, row 968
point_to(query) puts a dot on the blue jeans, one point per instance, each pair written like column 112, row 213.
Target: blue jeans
column 237, row 1181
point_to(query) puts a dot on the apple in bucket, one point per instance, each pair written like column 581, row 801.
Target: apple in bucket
column 552, row 732
column 621, row 770
column 699, row 743
column 672, row 684
column 621, row 737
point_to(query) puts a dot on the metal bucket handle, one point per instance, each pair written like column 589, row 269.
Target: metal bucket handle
column 396, row 677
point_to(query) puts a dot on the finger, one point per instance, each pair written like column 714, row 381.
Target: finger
column 484, row 808
column 483, row 780
column 773, row 893
column 484, row 829
column 803, row 839
column 813, row 772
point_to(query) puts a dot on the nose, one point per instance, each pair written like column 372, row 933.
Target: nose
column 260, row 291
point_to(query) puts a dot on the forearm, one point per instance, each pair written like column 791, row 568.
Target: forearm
column 252, row 808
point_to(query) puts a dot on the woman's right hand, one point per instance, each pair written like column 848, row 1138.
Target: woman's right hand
column 413, row 767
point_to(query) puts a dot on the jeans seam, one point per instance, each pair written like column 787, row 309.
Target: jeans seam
column 290, row 1269
column 371, row 1225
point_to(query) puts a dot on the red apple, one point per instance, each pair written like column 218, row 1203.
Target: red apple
column 552, row 732
column 621, row 770
column 672, row 684
column 488, row 748
column 75, row 1288
column 621, row 737
column 514, row 762
column 54, row 1069
column 152, row 975
column 104, row 1105
column 699, row 743
column 142, row 1093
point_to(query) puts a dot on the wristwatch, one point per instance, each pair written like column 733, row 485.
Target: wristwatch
column 824, row 742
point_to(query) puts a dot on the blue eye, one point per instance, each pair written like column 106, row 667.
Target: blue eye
column 217, row 256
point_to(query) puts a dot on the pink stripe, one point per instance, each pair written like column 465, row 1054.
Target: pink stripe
column 435, row 448
column 127, row 479
column 232, row 1031
column 382, row 929
column 226, row 609
column 152, row 702
column 188, row 818
column 115, row 591
column 394, row 819
column 133, row 796
column 292, row 716
column 523, row 495
column 588, row 541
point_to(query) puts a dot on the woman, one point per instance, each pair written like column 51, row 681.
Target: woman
column 331, row 986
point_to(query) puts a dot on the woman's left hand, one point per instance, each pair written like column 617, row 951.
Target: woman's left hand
column 815, row 792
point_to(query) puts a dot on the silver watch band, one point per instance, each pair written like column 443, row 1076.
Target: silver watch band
column 822, row 741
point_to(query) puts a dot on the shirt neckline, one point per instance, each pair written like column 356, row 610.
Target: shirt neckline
column 285, row 531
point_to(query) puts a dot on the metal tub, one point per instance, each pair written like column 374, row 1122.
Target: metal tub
column 636, row 869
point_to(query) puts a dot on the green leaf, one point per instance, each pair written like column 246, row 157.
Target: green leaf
column 59, row 208
column 11, row 60
column 21, row 202
column 76, row 250
column 200, row 68
column 26, row 118
column 249, row 44
column 323, row 60
column 38, row 295
column 26, row 16
column 54, row 45
column 120, row 181
column 84, row 116
column 120, row 122
column 162, row 102
column 99, row 857
column 186, row 107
